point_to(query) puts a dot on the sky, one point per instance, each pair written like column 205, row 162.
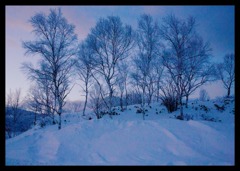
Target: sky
column 214, row 23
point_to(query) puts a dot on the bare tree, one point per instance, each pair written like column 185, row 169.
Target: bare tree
column 185, row 56
column 40, row 98
column 122, row 83
column 138, row 87
column 55, row 44
column 76, row 106
column 148, row 41
column 13, row 112
column 84, row 70
column 226, row 72
column 111, row 42
column 126, row 67
column 169, row 95
column 150, row 87
column 203, row 95
column 158, row 70
column 72, row 106
column 41, row 101
column 41, row 92
column 134, row 97
column 199, row 70
column 33, row 102
column 96, row 102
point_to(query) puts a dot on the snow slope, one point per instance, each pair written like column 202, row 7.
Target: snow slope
column 128, row 140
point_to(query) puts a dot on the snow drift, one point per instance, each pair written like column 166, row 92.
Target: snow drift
column 126, row 139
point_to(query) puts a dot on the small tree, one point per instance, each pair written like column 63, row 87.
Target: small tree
column 226, row 72
column 122, row 83
column 41, row 100
column 169, row 95
column 13, row 112
column 203, row 95
column 33, row 102
column 134, row 98
column 72, row 106
column 157, row 74
column 96, row 102
column 84, row 70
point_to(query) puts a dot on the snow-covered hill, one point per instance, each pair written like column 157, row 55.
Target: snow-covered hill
column 207, row 138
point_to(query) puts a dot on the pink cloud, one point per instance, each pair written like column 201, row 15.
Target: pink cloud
column 17, row 17
column 19, row 21
column 214, row 89
column 83, row 22
column 12, row 43
column 154, row 10
column 18, row 25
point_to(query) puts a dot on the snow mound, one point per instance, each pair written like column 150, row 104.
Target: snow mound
column 126, row 139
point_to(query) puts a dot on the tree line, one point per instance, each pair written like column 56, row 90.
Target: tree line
column 164, row 62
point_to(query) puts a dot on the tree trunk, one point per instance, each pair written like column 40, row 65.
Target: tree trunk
column 53, row 119
column 43, row 118
column 126, row 95
column 85, row 104
column 14, row 123
column 143, row 103
column 121, row 102
column 158, row 92
column 35, row 118
column 55, row 105
column 59, row 123
column 60, row 112
column 149, row 98
column 187, row 101
column 181, row 108
column 228, row 93
column 14, row 129
column 110, row 101
column 9, row 134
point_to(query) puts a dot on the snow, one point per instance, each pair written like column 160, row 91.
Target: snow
column 126, row 139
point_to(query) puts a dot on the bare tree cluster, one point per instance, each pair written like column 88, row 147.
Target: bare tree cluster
column 148, row 48
column 186, row 57
column 165, row 61
column 73, row 106
column 226, row 72
column 110, row 42
column 13, row 112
